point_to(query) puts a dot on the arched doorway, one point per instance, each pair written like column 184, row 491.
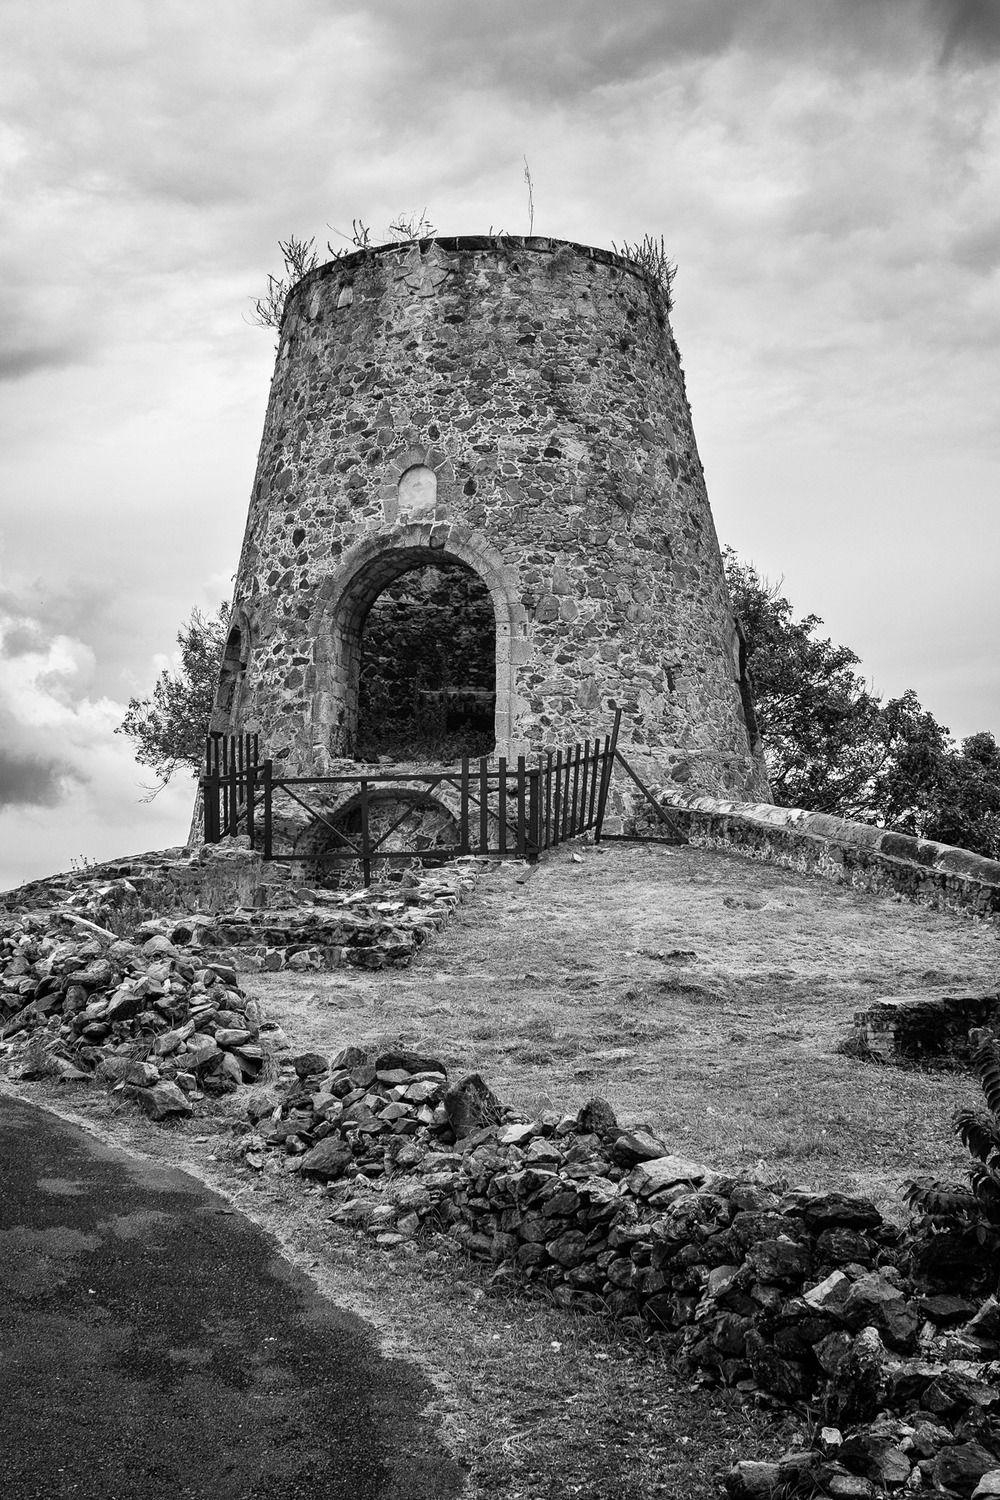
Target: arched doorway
column 466, row 573
column 427, row 672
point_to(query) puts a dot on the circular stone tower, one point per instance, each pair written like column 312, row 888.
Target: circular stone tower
column 512, row 413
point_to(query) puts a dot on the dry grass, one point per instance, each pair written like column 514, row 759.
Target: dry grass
column 699, row 991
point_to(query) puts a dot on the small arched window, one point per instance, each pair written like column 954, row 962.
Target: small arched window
column 233, row 666
column 417, row 493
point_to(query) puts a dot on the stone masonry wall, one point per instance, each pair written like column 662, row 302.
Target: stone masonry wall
column 857, row 854
column 519, row 406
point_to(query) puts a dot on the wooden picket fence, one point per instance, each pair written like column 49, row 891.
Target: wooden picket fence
column 231, row 786
column 506, row 810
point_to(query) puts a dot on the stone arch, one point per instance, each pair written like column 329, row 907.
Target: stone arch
column 349, row 593
column 232, row 672
column 433, row 822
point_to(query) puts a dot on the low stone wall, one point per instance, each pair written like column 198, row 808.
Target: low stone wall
column 374, row 928
column 853, row 854
column 213, row 877
column 924, row 1029
column 800, row 1294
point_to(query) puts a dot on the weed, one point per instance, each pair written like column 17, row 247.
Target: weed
column 299, row 257
column 650, row 256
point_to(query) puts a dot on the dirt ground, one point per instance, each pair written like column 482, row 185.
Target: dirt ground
column 699, row 991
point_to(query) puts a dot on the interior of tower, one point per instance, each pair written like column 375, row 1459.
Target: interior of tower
column 427, row 686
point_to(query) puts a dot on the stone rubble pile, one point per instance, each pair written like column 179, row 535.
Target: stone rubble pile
column 373, row 928
column 120, row 891
column 798, row 1294
column 79, row 1004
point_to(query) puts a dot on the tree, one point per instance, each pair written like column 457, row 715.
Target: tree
column 169, row 727
column 832, row 745
column 819, row 724
column 942, row 791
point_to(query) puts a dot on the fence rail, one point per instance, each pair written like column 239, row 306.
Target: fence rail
column 509, row 810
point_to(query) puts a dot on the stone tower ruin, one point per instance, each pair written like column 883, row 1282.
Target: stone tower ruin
column 479, row 511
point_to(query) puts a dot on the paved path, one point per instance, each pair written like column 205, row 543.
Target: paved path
column 154, row 1344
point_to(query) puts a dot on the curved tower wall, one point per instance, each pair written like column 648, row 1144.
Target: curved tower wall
column 519, row 406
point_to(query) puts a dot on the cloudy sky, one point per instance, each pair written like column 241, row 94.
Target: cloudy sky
column 826, row 173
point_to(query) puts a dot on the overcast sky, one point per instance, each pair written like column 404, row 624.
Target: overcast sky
column 826, row 173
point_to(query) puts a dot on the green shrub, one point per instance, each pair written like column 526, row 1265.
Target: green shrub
column 956, row 1236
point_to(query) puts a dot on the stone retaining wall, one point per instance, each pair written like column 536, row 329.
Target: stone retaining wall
column 925, row 1029
column 212, row 877
column 376, row 927
column 855, row 854
column 801, row 1294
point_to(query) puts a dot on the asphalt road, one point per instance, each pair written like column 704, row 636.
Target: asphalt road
column 153, row 1343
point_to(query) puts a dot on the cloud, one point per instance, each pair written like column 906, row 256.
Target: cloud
column 41, row 712
column 15, row 364
column 68, row 783
column 33, row 614
column 584, row 47
column 970, row 29
column 30, row 776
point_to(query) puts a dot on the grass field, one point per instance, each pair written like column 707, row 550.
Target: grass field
column 699, row 991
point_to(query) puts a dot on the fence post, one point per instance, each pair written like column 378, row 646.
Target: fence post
column 584, row 823
column 211, row 786
column 610, row 746
column 484, row 807
column 534, row 813
column 251, row 792
column 521, row 811
column 206, row 794
column 502, row 805
column 240, row 786
column 557, row 802
column 268, row 794
column 223, row 770
column 463, row 811
column 594, row 752
column 366, row 851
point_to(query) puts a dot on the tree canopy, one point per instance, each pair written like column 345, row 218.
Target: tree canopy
column 168, row 728
column 833, row 745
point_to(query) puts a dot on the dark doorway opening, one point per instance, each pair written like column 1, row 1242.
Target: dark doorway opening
column 427, row 685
